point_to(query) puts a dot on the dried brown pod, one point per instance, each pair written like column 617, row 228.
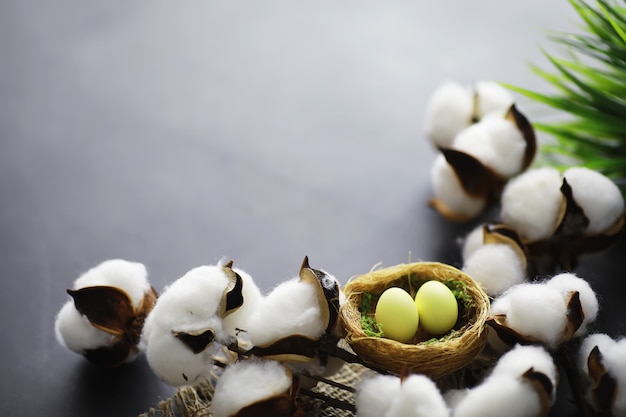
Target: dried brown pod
column 477, row 180
column 528, row 132
column 544, row 388
column 604, row 388
column 111, row 310
column 233, row 295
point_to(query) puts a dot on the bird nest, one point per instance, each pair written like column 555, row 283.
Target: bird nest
column 434, row 357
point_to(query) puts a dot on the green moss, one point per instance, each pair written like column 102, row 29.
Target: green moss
column 368, row 322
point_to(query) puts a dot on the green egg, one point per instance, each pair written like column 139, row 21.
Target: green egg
column 437, row 307
column 397, row 315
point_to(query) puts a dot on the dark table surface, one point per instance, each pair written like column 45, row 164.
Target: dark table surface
column 178, row 133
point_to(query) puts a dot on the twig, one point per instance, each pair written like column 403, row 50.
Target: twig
column 329, row 401
column 327, row 381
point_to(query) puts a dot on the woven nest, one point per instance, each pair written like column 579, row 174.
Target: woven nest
column 433, row 357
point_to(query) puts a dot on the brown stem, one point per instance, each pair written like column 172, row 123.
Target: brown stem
column 329, row 401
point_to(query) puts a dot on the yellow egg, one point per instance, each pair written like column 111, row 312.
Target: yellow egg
column 397, row 314
column 437, row 307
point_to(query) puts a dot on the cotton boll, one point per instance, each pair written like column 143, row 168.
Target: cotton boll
column 448, row 111
column 131, row 277
column 292, row 308
column 496, row 267
column 374, row 395
column 531, row 203
column 247, row 382
column 492, row 97
column 568, row 282
column 537, row 311
column 597, row 195
column 500, row 395
column 521, row 358
column 472, row 241
column 448, row 189
column 191, row 302
column 190, row 305
column 496, row 142
column 418, row 397
column 74, row 331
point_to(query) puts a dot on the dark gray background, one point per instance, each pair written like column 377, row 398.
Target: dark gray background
column 178, row 133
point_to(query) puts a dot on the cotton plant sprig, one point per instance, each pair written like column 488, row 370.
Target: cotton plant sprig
column 563, row 216
column 602, row 361
column 522, row 384
column 195, row 319
column 589, row 89
column 105, row 316
column 482, row 144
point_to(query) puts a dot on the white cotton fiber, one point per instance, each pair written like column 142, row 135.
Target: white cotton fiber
column 508, row 144
column 537, row 311
column 448, row 111
column 500, row 395
column 496, row 267
column 496, row 142
column 174, row 362
column 476, row 141
column 74, row 331
column 132, row 277
column 597, row 195
column 454, row 396
column 492, row 97
column 418, row 397
column 472, row 241
column 520, row 359
column 531, row 203
column 292, row 308
column 374, row 395
column 448, row 189
column 247, row 382
column 568, row 282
